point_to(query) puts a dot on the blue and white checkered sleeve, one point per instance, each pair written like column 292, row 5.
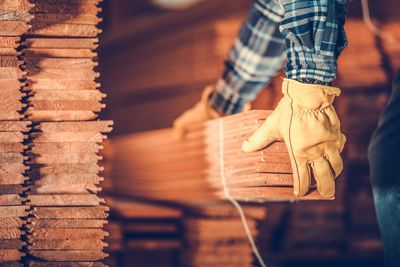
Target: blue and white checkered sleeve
column 315, row 36
column 256, row 56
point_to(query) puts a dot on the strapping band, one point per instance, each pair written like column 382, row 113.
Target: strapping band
column 231, row 199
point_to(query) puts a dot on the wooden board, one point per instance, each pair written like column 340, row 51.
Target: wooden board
column 99, row 212
column 65, row 200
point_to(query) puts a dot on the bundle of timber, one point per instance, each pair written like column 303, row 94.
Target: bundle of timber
column 66, row 219
column 155, row 165
column 214, row 235
column 151, row 233
column 14, row 18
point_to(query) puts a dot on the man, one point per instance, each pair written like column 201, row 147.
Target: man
column 384, row 162
column 309, row 36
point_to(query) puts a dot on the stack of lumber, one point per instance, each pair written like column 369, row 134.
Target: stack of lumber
column 214, row 235
column 14, row 18
column 155, row 165
column 67, row 216
column 151, row 233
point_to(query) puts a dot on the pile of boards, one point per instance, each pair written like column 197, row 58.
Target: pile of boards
column 143, row 234
column 214, row 235
column 67, row 216
column 14, row 18
column 158, row 166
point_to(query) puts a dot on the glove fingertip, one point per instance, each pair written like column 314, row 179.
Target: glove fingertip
column 247, row 147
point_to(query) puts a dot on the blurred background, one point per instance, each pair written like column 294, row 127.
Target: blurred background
column 155, row 58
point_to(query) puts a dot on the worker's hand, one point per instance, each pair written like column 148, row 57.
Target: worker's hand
column 200, row 112
column 306, row 120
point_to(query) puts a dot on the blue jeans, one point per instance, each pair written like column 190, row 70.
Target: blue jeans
column 384, row 159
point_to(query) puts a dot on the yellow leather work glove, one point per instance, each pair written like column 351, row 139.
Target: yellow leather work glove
column 307, row 122
column 200, row 112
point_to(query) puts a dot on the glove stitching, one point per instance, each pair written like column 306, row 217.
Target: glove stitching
column 290, row 138
column 313, row 111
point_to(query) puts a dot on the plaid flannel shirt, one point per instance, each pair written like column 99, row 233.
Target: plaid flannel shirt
column 306, row 34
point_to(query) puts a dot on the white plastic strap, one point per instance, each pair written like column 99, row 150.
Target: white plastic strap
column 231, row 199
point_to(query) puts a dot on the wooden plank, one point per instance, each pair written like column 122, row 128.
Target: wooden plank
column 67, row 105
column 37, row 64
column 15, row 15
column 49, row 84
column 10, row 255
column 13, row 28
column 66, row 115
column 43, row 28
column 9, row 73
column 58, row 53
column 64, row 264
column 66, row 7
column 88, row 95
column 12, row 178
column 69, row 255
column 11, row 222
column 16, row 243
column 13, row 211
column 71, row 178
column 12, row 157
column 66, row 74
column 83, row 188
column 91, row 137
column 12, row 189
column 7, row 168
column 9, row 42
column 9, row 61
column 10, row 200
column 10, row 233
column 9, row 137
column 65, row 200
column 38, row 223
column 82, row 126
column 51, row 19
column 22, row 5
column 65, row 147
column 12, row 147
column 14, row 126
column 68, row 244
column 83, row 168
column 66, row 233
column 99, row 212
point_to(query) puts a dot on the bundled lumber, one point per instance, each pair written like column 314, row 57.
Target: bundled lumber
column 156, row 165
column 67, row 216
column 151, row 234
column 214, row 235
column 14, row 18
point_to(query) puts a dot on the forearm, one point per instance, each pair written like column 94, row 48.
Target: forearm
column 257, row 55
